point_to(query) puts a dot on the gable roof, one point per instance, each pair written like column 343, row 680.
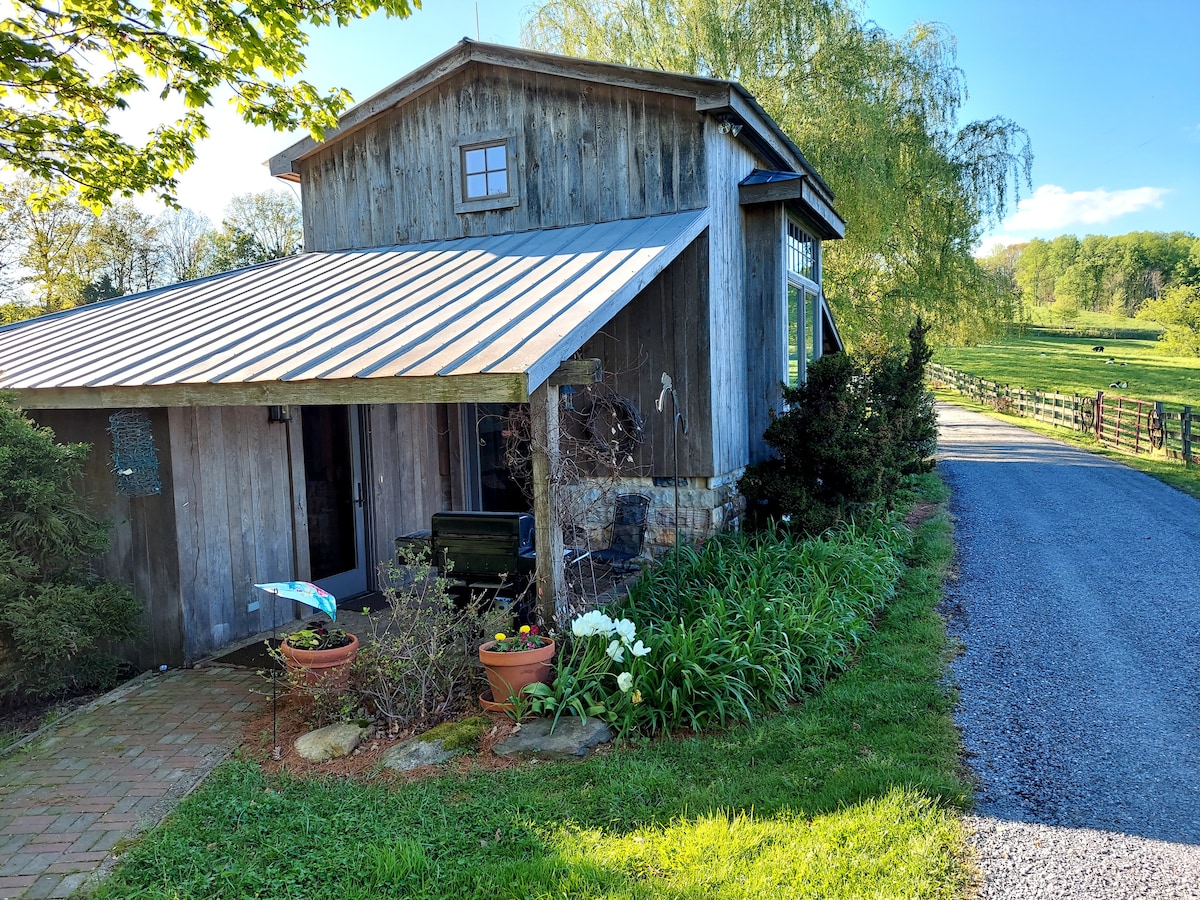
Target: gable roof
column 480, row 319
column 715, row 96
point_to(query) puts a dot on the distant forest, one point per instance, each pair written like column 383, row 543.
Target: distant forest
column 57, row 252
column 1118, row 275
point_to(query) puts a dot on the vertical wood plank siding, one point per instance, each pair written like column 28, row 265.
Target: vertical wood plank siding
column 728, row 162
column 587, row 152
column 141, row 549
column 666, row 329
column 235, row 521
column 406, row 486
column 765, row 322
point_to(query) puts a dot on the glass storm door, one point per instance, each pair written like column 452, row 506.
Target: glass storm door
column 334, row 489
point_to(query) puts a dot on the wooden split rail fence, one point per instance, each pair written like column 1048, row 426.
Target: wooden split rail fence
column 1122, row 423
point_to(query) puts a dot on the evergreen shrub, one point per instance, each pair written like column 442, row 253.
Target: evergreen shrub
column 845, row 440
column 56, row 617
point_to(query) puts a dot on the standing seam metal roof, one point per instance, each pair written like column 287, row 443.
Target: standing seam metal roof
column 513, row 303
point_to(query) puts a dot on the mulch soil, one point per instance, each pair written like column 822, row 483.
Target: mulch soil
column 293, row 718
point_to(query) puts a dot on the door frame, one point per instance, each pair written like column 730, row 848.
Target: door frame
column 355, row 581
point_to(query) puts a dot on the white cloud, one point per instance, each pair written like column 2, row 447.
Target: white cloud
column 1052, row 209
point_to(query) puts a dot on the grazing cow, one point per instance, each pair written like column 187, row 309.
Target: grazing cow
column 1098, row 349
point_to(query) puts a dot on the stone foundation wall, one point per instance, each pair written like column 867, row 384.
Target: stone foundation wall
column 706, row 506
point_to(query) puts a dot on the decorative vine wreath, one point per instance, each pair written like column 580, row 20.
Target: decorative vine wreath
column 1087, row 413
column 615, row 425
column 1156, row 429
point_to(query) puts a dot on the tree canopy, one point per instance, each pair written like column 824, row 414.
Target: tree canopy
column 59, row 253
column 875, row 114
column 67, row 67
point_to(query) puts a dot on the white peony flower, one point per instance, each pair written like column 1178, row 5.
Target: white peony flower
column 625, row 681
column 639, row 649
column 594, row 622
column 616, row 651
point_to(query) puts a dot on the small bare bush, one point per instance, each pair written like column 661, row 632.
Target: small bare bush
column 421, row 662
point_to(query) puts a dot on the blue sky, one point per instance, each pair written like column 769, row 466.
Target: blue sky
column 1108, row 92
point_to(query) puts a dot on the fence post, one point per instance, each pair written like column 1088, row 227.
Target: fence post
column 1185, row 428
column 1099, row 415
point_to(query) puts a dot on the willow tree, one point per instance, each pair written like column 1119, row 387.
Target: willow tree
column 877, row 116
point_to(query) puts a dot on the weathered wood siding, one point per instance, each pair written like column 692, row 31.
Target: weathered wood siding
column 666, row 329
column 408, row 478
column 235, row 518
column 587, row 152
column 729, row 161
column 141, row 550
column 765, row 321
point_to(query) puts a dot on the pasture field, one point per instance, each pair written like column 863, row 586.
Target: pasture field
column 1045, row 360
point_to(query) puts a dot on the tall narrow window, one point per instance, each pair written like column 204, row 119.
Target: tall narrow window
column 485, row 171
column 802, row 253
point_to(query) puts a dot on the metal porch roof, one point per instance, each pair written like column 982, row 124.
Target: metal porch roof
column 493, row 315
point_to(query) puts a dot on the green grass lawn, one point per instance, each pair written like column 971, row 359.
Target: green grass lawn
column 853, row 793
column 1047, row 361
column 1103, row 324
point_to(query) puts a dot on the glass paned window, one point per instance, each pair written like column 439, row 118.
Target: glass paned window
column 485, row 171
column 795, row 333
column 801, row 252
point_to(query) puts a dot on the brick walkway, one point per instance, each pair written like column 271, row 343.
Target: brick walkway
column 112, row 768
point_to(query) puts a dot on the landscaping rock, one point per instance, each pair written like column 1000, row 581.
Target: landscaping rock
column 571, row 739
column 416, row 752
column 331, row 742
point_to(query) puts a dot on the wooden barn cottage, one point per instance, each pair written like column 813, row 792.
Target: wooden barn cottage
column 496, row 228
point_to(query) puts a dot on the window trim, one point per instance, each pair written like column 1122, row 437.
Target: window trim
column 508, row 139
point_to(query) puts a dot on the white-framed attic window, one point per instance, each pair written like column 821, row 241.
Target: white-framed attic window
column 485, row 172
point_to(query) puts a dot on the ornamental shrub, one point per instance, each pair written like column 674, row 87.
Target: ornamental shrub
column 420, row 663
column 827, row 442
column 898, row 390
column 845, row 439
column 56, row 618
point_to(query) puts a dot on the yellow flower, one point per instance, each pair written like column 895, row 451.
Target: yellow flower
column 636, row 697
column 501, row 636
column 524, row 629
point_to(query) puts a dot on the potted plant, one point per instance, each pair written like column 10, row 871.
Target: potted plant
column 513, row 663
column 319, row 654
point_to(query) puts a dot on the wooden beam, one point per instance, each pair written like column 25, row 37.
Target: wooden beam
column 506, row 388
column 771, row 191
column 576, row 371
column 550, row 575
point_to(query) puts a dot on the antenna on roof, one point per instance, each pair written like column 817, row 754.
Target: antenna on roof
column 477, row 20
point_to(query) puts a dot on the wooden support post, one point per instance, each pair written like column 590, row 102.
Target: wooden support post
column 1185, row 428
column 544, row 435
column 1099, row 415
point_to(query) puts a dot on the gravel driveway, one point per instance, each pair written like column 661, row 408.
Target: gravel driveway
column 1078, row 603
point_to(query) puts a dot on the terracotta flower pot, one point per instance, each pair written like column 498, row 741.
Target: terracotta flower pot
column 509, row 673
column 324, row 667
